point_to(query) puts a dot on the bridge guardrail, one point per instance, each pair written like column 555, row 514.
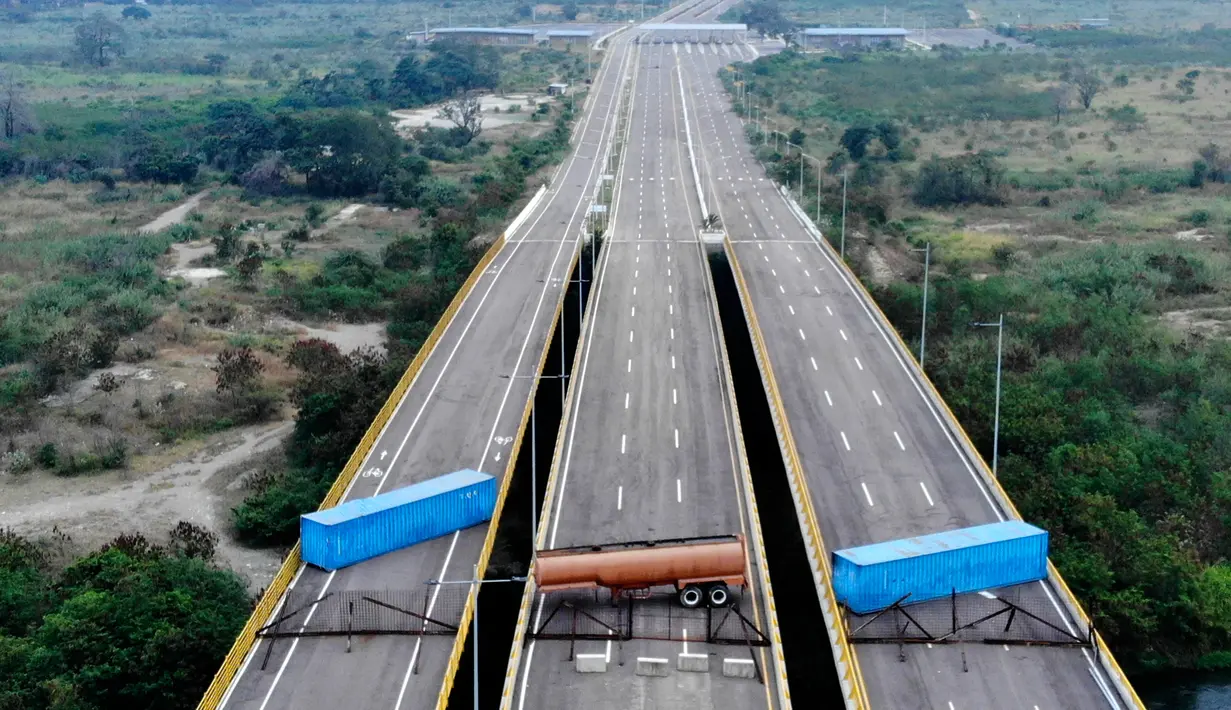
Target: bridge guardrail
column 854, row 690
column 270, row 599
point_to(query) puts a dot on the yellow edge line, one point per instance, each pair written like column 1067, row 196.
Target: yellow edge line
column 855, row 690
column 277, row 587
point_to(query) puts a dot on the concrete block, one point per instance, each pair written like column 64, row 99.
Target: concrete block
column 656, row 667
column 693, row 662
column 738, row 668
column 591, row 662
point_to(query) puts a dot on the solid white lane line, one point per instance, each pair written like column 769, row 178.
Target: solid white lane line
column 828, row 399
column 860, row 364
column 845, row 443
column 878, row 398
column 867, row 495
column 623, row 443
column 926, row 494
column 620, row 498
column 900, row 444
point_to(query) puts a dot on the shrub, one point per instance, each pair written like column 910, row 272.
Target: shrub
column 47, row 455
column 960, row 180
column 1199, row 218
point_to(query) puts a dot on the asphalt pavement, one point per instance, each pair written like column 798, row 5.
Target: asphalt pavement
column 458, row 413
column 878, row 461
column 649, row 448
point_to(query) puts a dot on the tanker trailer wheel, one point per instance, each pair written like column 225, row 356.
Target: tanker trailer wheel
column 691, row 597
column 718, row 596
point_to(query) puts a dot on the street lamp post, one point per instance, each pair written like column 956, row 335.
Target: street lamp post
column 474, row 620
column 999, row 325
column 923, row 330
column 842, row 247
column 534, row 456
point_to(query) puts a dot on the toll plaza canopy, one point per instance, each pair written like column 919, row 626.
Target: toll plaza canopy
column 728, row 32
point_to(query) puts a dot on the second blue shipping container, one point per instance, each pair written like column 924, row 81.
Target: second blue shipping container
column 367, row 527
column 873, row 577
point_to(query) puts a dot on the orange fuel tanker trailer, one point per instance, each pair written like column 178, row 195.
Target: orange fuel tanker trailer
column 702, row 569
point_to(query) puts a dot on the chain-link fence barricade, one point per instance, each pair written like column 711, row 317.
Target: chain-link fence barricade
column 429, row 611
column 1023, row 616
column 594, row 615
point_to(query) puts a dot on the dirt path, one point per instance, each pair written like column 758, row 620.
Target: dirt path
column 200, row 489
column 175, row 215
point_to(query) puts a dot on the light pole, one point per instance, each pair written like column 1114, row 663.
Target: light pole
column 923, row 330
column 818, row 193
column 842, row 247
column 999, row 325
column 474, row 620
column 534, row 456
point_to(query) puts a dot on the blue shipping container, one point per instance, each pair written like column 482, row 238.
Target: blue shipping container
column 873, row 577
column 362, row 529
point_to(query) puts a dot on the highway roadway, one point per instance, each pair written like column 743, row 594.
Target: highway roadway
column 458, row 413
column 649, row 446
column 878, row 462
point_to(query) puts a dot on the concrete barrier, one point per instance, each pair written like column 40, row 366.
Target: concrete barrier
column 693, row 663
column 654, row 667
column 738, row 668
column 591, row 663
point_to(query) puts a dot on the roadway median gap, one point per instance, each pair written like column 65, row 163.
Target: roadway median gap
column 498, row 603
column 809, row 661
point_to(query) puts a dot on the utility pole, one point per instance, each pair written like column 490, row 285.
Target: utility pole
column 842, row 248
column 923, row 330
column 999, row 325
column 474, row 582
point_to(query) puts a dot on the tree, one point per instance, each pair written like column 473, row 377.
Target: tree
column 135, row 12
column 765, row 16
column 856, row 139
column 569, row 10
column 99, row 40
column 1217, row 163
column 346, row 154
column 974, row 178
column 250, row 265
column 237, row 370
column 1061, row 96
column 15, row 114
column 237, row 134
column 216, row 63
column 466, row 114
column 1087, row 84
column 267, row 177
column 226, row 243
column 797, row 136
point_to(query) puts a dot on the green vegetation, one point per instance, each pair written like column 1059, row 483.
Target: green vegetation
column 1114, row 413
column 1112, row 430
column 132, row 624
